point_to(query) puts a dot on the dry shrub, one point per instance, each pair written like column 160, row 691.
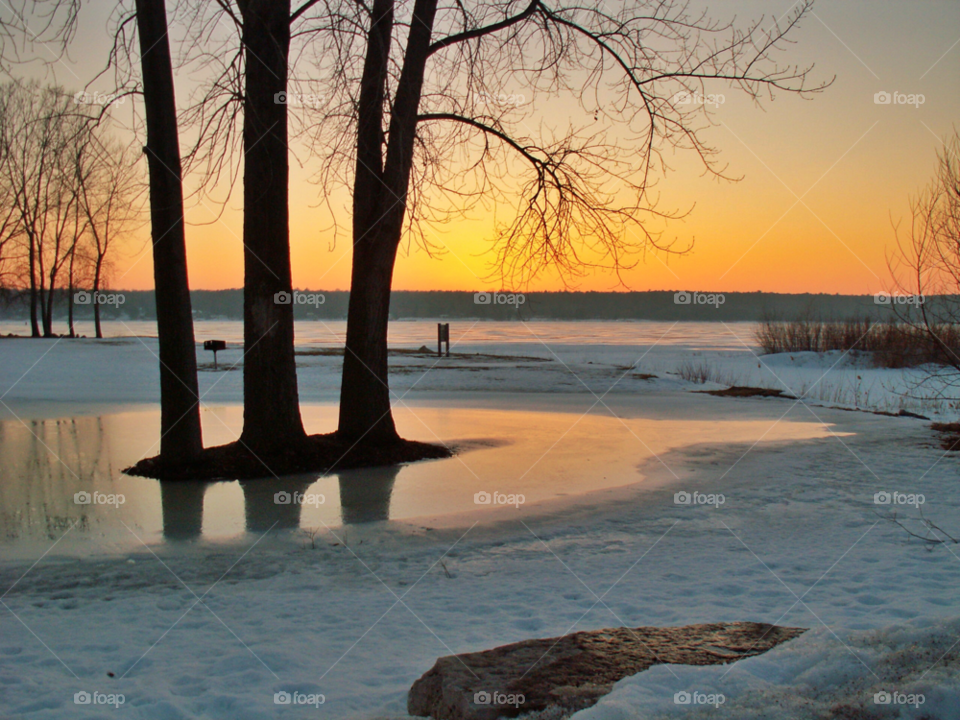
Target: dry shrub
column 893, row 345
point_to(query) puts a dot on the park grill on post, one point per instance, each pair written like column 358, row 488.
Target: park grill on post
column 214, row 345
column 443, row 336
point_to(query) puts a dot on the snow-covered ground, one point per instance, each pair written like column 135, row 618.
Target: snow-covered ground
column 357, row 613
column 50, row 376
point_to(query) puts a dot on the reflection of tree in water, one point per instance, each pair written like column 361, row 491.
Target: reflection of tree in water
column 182, row 504
column 262, row 508
column 364, row 497
column 269, row 502
column 43, row 464
column 365, row 494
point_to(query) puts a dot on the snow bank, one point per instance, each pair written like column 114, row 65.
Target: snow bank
column 910, row 671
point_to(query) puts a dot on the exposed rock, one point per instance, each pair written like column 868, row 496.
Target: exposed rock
column 574, row 671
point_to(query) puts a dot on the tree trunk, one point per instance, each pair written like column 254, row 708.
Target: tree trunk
column 365, row 414
column 46, row 299
column 34, row 299
column 42, row 294
column 181, row 438
column 48, row 313
column 379, row 206
column 70, row 331
column 96, row 307
column 271, row 403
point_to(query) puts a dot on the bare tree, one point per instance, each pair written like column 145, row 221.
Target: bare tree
column 10, row 228
column 42, row 131
column 76, row 258
column 181, row 439
column 416, row 123
column 248, row 72
column 271, row 411
column 110, row 188
column 926, row 266
column 27, row 24
column 242, row 50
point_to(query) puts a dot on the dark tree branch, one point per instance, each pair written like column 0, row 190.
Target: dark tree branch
column 296, row 14
column 370, row 106
column 487, row 30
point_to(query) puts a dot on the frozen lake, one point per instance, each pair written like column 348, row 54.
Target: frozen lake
column 463, row 333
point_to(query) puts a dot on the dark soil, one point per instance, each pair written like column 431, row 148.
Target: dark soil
column 320, row 454
column 739, row 391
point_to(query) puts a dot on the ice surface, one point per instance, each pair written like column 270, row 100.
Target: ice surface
column 514, row 462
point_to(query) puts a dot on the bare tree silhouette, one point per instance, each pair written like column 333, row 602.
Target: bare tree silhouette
column 926, row 264
column 109, row 188
column 243, row 48
column 423, row 121
column 181, row 438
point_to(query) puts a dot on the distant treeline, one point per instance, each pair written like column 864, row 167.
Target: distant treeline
column 658, row 305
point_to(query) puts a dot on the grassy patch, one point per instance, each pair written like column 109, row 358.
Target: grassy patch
column 892, row 344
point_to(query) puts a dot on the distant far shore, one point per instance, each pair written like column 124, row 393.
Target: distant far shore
column 680, row 305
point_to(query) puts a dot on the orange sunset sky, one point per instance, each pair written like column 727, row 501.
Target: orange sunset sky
column 823, row 179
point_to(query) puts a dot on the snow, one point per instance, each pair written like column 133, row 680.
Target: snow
column 544, row 357
column 819, row 675
column 357, row 613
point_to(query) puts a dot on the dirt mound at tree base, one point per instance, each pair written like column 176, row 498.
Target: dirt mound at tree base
column 319, row 454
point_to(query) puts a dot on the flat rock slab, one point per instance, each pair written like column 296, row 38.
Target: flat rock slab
column 574, row 671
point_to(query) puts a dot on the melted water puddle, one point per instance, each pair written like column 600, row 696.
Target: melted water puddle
column 64, row 476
